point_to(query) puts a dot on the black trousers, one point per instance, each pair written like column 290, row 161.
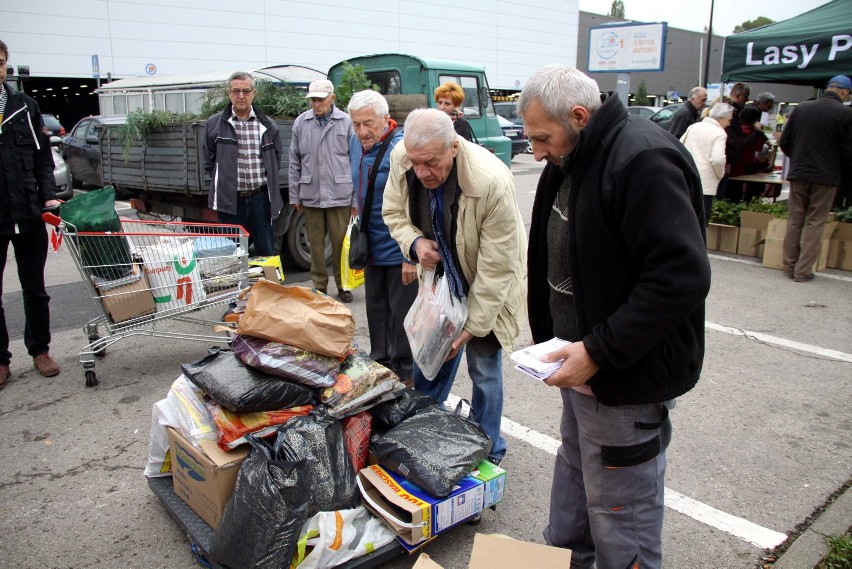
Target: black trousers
column 31, row 255
column 388, row 301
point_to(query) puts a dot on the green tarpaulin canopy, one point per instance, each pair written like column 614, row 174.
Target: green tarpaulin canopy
column 806, row 50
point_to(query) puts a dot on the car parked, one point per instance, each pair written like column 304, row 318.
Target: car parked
column 81, row 151
column 64, row 191
column 509, row 111
column 642, row 111
column 664, row 116
column 515, row 133
column 52, row 126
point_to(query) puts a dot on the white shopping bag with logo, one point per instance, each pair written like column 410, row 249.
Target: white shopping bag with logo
column 173, row 274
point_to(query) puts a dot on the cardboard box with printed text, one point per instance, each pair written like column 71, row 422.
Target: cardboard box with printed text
column 204, row 478
column 417, row 517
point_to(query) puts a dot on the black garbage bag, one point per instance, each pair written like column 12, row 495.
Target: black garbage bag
column 107, row 256
column 262, row 521
column 391, row 413
column 434, row 449
column 244, row 389
column 317, row 438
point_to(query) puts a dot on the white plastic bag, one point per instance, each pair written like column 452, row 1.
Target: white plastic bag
column 337, row 537
column 182, row 409
column 190, row 414
column 159, row 459
column 434, row 321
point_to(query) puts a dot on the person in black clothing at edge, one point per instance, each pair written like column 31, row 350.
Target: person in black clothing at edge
column 449, row 97
column 26, row 186
column 618, row 266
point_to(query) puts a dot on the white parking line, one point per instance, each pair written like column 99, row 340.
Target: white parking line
column 767, row 339
column 738, row 527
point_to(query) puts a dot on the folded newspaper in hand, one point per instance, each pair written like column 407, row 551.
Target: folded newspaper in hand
column 528, row 360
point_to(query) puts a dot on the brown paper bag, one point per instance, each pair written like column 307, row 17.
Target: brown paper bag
column 298, row 316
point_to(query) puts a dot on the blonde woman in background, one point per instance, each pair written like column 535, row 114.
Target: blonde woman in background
column 705, row 140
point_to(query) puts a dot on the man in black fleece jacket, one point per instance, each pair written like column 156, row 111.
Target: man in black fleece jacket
column 618, row 266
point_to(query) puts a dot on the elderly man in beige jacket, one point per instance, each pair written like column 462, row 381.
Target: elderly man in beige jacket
column 451, row 204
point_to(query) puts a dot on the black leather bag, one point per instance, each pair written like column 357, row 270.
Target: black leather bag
column 359, row 248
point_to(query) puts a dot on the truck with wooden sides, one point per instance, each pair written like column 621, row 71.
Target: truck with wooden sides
column 163, row 173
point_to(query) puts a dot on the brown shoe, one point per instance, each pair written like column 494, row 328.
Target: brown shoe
column 45, row 365
column 5, row 374
column 345, row 296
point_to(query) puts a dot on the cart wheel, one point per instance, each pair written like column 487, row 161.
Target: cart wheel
column 100, row 353
column 91, row 378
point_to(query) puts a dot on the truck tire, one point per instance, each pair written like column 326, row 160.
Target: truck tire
column 295, row 243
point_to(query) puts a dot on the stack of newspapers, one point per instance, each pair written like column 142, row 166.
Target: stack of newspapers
column 528, row 360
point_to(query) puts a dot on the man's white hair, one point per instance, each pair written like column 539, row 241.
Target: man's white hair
column 427, row 126
column 696, row 93
column 558, row 88
column 369, row 98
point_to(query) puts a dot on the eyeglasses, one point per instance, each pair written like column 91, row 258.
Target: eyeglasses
column 236, row 92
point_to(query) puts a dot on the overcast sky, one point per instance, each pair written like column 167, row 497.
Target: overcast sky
column 694, row 15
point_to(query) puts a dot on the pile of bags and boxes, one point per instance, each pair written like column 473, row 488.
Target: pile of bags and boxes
column 299, row 450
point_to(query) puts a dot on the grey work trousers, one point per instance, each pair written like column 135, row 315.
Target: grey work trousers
column 809, row 205
column 606, row 503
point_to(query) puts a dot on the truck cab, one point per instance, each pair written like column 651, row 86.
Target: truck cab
column 408, row 82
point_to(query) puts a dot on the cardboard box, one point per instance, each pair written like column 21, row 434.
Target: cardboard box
column 773, row 254
column 414, row 515
column 753, row 228
column 502, row 552
column 271, row 268
column 722, row 238
column 840, row 248
column 204, row 478
column 128, row 301
column 777, row 229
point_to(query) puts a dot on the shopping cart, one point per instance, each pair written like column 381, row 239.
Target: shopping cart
column 151, row 272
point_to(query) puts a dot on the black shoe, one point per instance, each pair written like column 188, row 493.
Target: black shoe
column 345, row 296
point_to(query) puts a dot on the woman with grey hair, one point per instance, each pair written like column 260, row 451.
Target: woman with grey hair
column 705, row 140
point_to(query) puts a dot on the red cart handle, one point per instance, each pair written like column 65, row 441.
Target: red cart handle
column 51, row 218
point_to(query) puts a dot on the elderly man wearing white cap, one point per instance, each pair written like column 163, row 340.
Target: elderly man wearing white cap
column 321, row 180
column 818, row 141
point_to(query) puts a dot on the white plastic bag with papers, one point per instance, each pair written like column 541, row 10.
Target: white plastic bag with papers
column 330, row 539
column 433, row 322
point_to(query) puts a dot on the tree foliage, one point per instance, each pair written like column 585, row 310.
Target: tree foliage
column 642, row 94
column 758, row 22
column 617, row 9
column 279, row 101
column 352, row 79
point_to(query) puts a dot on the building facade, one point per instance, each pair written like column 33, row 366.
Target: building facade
column 70, row 48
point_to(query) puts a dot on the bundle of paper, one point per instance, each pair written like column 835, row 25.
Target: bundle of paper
column 528, row 360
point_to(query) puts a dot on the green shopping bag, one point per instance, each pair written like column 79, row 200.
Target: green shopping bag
column 107, row 257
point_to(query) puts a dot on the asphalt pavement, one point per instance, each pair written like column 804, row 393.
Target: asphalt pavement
column 758, row 445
